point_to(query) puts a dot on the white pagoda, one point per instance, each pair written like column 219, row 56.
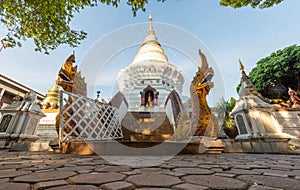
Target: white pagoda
column 149, row 79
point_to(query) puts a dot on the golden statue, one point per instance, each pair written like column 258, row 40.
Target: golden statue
column 69, row 80
column 149, row 102
column 295, row 100
column 200, row 87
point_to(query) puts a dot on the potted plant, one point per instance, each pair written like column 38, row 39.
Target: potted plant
column 228, row 123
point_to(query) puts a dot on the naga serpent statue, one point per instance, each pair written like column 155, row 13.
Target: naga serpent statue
column 199, row 89
column 71, row 81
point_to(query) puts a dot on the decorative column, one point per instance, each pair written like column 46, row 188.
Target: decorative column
column 155, row 101
column 142, row 98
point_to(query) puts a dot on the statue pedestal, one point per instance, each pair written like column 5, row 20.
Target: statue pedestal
column 204, row 145
column 268, row 145
column 46, row 132
column 18, row 125
column 289, row 121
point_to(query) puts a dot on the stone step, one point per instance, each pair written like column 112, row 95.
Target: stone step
column 139, row 126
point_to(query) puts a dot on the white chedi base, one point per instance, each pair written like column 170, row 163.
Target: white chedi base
column 47, row 132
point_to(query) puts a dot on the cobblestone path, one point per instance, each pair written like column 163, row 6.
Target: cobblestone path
column 47, row 170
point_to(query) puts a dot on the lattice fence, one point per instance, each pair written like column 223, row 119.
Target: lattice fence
column 82, row 118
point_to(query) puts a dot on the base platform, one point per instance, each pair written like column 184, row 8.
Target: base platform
column 129, row 148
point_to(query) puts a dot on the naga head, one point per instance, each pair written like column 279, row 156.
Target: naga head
column 202, row 80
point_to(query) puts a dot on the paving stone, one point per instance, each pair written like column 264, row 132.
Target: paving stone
column 172, row 173
column 215, row 182
column 119, row 185
column 48, row 184
column 76, row 168
column 148, row 188
column 15, row 186
column 84, row 171
column 280, row 172
column 75, row 187
column 183, row 164
column 253, row 166
column 9, row 173
column 297, row 177
column 278, row 182
column 44, row 176
column 239, row 171
column 114, row 169
column 225, row 175
column 70, row 165
column 193, row 171
column 245, row 167
column 5, row 167
column 281, row 166
column 167, row 166
column 96, row 178
column 260, row 187
column 50, row 170
column 38, row 168
column 153, row 180
column 275, row 174
column 152, row 170
column 3, row 180
column 207, row 166
column 188, row 186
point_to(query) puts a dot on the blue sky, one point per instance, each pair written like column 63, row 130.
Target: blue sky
column 229, row 34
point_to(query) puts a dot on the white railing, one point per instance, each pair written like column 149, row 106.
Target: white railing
column 82, row 118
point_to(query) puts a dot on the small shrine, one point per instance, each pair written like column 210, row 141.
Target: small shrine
column 253, row 113
column 19, row 123
column 259, row 130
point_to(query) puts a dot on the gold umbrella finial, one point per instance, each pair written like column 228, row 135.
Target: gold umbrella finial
column 242, row 68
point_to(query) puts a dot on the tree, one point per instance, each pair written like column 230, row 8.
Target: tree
column 274, row 74
column 253, row 3
column 47, row 22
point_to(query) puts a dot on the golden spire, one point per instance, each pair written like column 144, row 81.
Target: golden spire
column 241, row 65
column 150, row 21
column 151, row 48
column 242, row 68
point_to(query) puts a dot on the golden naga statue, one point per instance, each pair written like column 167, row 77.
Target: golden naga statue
column 199, row 89
column 69, row 80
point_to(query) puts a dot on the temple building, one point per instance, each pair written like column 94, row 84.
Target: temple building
column 10, row 89
column 150, row 78
column 146, row 85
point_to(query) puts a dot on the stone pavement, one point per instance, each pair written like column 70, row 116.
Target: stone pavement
column 47, row 170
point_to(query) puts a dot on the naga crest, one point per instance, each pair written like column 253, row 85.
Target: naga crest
column 70, row 79
column 202, row 80
column 200, row 87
